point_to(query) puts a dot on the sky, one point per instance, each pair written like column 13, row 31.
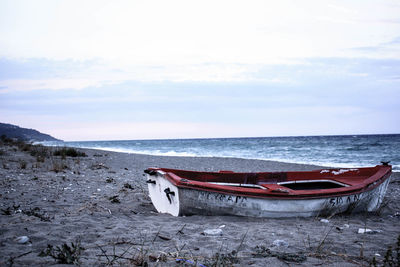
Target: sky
column 122, row 70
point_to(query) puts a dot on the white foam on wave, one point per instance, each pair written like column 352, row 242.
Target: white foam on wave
column 174, row 153
column 187, row 154
column 142, row 152
column 320, row 163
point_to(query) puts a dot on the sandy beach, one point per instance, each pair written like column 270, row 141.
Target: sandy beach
column 100, row 203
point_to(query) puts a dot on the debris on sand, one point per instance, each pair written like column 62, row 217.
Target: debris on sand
column 213, row 232
column 280, row 243
column 22, row 239
column 368, row 231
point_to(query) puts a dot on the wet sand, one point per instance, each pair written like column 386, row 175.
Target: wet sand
column 102, row 202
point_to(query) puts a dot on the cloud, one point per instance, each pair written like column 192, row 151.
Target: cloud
column 395, row 41
column 40, row 74
column 388, row 49
column 189, row 33
column 36, row 74
column 49, row 84
column 97, row 101
column 325, row 80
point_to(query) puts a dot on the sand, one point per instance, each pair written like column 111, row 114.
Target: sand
column 101, row 202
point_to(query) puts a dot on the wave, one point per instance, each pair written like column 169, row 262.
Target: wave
column 357, row 148
column 142, row 152
column 316, row 151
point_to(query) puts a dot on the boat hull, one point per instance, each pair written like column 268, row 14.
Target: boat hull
column 188, row 201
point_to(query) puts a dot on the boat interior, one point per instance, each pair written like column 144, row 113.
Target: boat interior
column 281, row 181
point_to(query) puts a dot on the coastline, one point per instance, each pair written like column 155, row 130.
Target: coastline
column 270, row 164
column 330, row 151
column 101, row 200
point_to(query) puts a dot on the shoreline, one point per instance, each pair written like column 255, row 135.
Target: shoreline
column 278, row 161
column 352, row 151
column 102, row 201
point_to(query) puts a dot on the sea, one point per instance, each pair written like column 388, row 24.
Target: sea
column 331, row 151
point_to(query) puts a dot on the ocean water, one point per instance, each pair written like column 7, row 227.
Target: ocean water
column 333, row 151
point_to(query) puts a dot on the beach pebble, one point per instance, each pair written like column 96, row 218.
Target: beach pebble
column 213, row 231
column 368, row 231
column 280, row 243
column 364, row 230
column 324, row 220
column 341, row 228
column 22, row 239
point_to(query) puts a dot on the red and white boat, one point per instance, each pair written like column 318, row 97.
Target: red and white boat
column 268, row 194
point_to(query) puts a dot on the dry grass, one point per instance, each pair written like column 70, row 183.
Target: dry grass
column 64, row 254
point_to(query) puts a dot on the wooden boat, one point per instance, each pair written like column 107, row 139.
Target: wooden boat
column 268, row 194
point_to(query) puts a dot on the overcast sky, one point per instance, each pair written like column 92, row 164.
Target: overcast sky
column 108, row 70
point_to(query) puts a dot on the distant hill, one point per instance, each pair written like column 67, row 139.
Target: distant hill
column 13, row 131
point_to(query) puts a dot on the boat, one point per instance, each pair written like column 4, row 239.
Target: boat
column 321, row 192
